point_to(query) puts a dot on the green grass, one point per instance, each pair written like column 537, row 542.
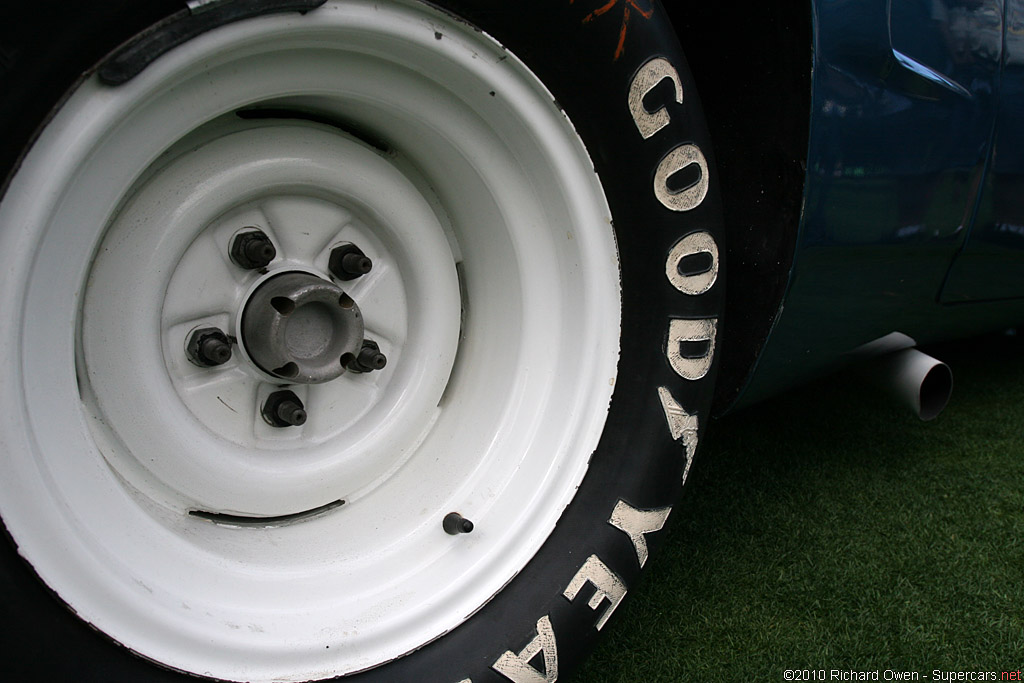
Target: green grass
column 829, row 529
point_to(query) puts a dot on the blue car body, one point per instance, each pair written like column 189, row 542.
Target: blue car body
column 912, row 204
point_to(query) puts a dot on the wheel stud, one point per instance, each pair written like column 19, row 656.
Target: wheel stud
column 349, row 262
column 252, row 250
column 369, row 359
column 208, row 347
column 456, row 524
column 284, row 409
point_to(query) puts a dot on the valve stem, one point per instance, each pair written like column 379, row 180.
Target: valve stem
column 455, row 524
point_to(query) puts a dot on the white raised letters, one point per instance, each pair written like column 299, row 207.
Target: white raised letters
column 682, row 330
column 690, row 197
column 650, row 75
column 636, row 523
column 517, row 667
column 681, row 425
column 691, row 245
column 606, row 586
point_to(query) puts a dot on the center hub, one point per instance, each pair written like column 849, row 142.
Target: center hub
column 301, row 328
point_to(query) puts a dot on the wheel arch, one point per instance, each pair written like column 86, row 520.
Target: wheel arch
column 753, row 67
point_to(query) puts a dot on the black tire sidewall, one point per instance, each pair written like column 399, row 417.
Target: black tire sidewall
column 637, row 462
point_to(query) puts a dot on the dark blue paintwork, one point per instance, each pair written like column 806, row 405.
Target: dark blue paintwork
column 991, row 265
column 907, row 97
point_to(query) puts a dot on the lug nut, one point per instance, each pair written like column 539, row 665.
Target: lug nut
column 369, row 359
column 284, row 409
column 355, row 264
column 208, row 347
column 252, row 250
column 348, row 262
column 456, row 524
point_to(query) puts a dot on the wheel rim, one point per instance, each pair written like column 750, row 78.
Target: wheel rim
column 150, row 493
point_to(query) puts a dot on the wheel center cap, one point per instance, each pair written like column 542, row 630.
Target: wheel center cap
column 301, row 328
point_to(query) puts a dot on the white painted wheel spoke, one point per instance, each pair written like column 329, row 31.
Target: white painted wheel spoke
column 339, row 404
column 303, row 226
column 204, row 283
column 227, row 395
column 381, row 300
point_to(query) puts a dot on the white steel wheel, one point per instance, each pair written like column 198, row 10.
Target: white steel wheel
column 148, row 488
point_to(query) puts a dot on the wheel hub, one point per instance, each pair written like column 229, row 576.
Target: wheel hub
column 301, row 328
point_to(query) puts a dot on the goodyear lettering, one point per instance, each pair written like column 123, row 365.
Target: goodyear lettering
column 693, row 284
column 681, row 425
column 647, row 78
column 637, row 523
column 517, row 667
column 701, row 330
column 688, row 198
column 607, row 586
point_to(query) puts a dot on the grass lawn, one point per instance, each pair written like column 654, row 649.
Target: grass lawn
column 828, row 529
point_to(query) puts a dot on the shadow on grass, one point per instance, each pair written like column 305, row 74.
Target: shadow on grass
column 830, row 529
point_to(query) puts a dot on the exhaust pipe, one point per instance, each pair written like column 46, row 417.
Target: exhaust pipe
column 917, row 380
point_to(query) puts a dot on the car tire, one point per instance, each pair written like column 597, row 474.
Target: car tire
column 534, row 188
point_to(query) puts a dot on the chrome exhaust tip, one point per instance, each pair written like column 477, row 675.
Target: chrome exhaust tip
column 921, row 383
